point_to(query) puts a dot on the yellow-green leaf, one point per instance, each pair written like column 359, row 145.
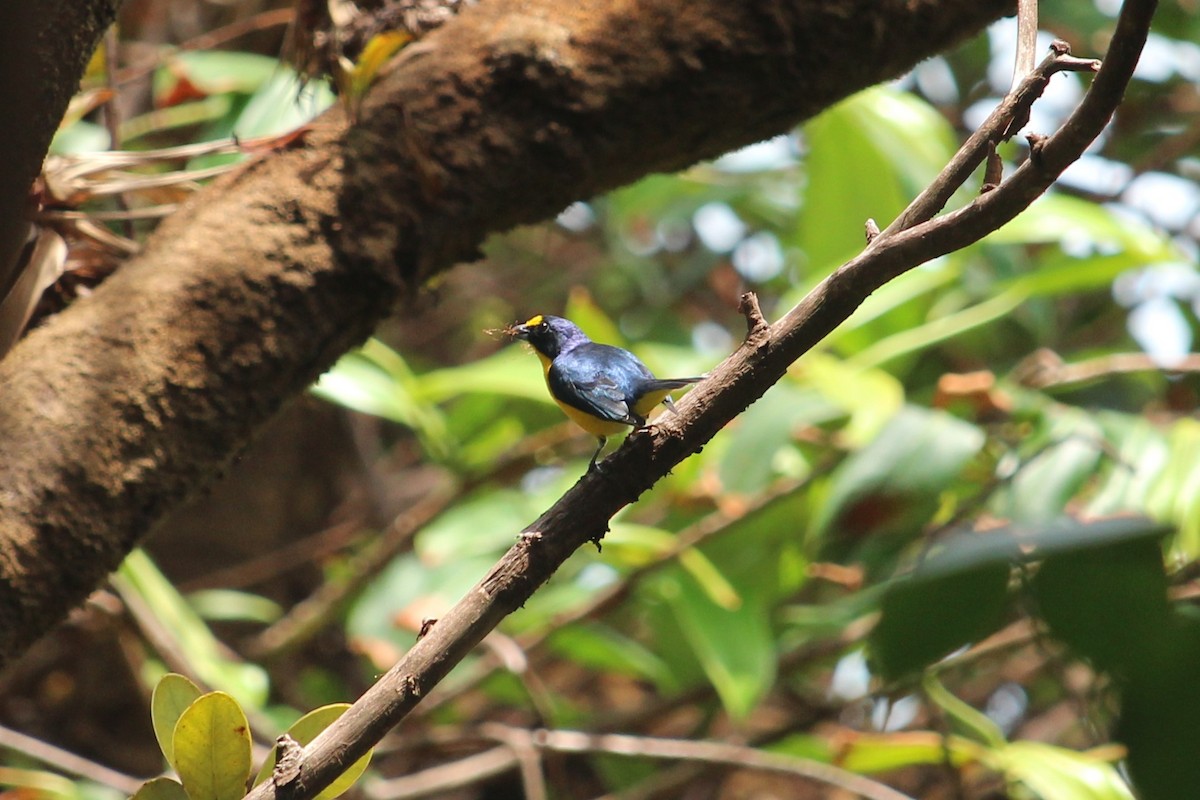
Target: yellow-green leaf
column 304, row 730
column 1055, row 773
column 354, row 78
column 883, row 752
column 140, row 578
column 36, row 783
column 972, row 722
column 642, row 544
column 173, row 694
column 212, row 748
column 161, row 789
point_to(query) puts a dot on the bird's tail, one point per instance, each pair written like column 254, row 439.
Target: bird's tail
column 667, row 384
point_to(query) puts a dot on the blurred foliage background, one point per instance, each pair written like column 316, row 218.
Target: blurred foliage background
column 955, row 549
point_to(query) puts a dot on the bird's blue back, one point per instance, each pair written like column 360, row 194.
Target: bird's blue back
column 600, row 379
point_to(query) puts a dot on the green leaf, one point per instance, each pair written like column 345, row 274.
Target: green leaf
column 887, row 491
column 935, row 611
column 1119, row 245
column 403, row 582
column 304, row 730
column 830, row 618
column 38, row 784
column 892, row 308
column 1058, row 219
column 940, row 444
column 172, row 696
column 282, row 104
column 584, row 312
column 957, row 595
column 511, row 372
column 884, row 752
column 1012, row 544
column 230, row 605
column 1159, row 708
column 625, row 538
column 924, row 336
column 482, row 524
column 214, row 111
column 752, row 453
column 872, row 397
column 212, row 748
column 215, row 72
column 962, row 715
column 358, row 383
column 604, row 649
column 140, row 580
column 80, row 137
column 735, row 647
column 1108, row 602
column 867, row 157
column 1140, row 453
column 1175, row 492
column 375, row 379
column 161, row 789
column 1046, row 484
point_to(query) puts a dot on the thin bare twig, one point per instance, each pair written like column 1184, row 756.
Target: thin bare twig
column 582, row 514
column 1044, row 369
column 723, row 753
column 112, row 112
column 501, row 759
column 527, row 755
column 1027, row 30
column 148, row 212
column 210, row 41
column 67, row 761
column 445, row 777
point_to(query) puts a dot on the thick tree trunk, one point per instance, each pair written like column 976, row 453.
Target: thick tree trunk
column 44, row 46
column 137, row 396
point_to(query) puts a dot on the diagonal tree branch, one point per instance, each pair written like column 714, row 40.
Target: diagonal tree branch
column 136, row 397
column 582, row 514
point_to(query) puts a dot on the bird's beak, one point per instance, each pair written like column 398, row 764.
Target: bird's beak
column 518, row 331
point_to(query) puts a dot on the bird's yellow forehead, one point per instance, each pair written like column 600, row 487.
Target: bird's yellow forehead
column 534, row 321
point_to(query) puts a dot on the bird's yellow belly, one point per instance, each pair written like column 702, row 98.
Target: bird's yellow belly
column 648, row 401
column 593, row 425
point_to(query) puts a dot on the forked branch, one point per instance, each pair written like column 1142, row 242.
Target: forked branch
column 582, row 514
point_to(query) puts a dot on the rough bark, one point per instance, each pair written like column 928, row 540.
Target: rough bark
column 137, row 396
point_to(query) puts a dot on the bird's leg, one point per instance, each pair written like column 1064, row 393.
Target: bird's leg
column 595, row 455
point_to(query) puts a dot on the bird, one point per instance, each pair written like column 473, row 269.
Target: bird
column 601, row 388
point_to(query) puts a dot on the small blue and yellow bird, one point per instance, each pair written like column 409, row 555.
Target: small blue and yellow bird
column 601, row 388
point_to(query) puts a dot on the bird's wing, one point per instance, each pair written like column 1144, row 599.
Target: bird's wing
column 590, row 391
